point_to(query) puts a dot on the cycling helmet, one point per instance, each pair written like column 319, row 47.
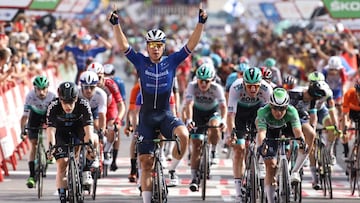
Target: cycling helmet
column 289, row 80
column 269, row 62
column 317, row 89
column 109, row 69
column 252, row 75
column 242, row 67
column 96, row 67
column 155, row 35
column 68, row 91
column 267, row 74
column 89, row 78
column 334, row 62
column 41, row 82
column 280, row 97
column 205, row 72
column 316, row 76
column 86, row 39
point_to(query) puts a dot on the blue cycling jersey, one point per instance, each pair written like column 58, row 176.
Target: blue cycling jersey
column 156, row 79
column 81, row 56
column 120, row 83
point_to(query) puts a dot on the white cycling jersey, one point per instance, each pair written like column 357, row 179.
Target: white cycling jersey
column 98, row 100
column 238, row 95
column 37, row 105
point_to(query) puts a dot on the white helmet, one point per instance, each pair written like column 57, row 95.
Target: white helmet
column 96, row 67
column 334, row 62
column 89, row 78
column 155, row 35
column 109, row 69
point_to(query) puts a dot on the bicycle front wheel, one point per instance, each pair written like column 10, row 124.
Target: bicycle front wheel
column 204, row 170
column 95, row 176
column 158, row 195
column 72, row 181
column 253, row 180
column 284, row 190
column 357, row 169
column 326, row 183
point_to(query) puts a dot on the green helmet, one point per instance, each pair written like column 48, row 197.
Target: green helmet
column 252, row 75
column 269, row 62
column 280, row 97
column 205, row 72
column 41, row 82
column 316, row 76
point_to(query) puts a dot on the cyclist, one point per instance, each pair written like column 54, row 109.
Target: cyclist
column 156, row 74
column 35, row 106
column 268, row 75
column 205, row 104
column 270, row 119
column 84, row 51
column 246, row 96
column 270, row 63
column 114, row 114
column 98, row 102
column 350, row 110
column 67, row 116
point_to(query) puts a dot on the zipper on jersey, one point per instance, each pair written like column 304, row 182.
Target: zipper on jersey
column 156, row 84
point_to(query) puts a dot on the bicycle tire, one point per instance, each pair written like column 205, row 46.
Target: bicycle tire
column 326, row 184
column 95, row 176
column 72, row 182
column 253, row 180
column 262, row 192
column 357, row 170
column 157, row 183
column 41, row 167
column 285, row 191
column 205, row 170
column 351, row 170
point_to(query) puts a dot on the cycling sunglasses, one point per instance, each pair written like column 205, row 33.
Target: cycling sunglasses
column 249, row 86
column 278, row 108
column 153, row 45
column 88, row 87
column 205, row 82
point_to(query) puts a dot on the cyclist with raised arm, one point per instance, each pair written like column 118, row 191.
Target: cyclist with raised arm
column 115, row 112
column 67, row 117
column 246, row 96
column 269, row 121
column 156, row 74
column 34, row 116
column 205, row 104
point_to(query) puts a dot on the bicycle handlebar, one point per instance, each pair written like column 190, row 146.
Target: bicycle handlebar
column 158, row 140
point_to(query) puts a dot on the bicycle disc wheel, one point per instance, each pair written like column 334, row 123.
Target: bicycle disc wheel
column 285, row 190
column 95, row 176
column 205, row 170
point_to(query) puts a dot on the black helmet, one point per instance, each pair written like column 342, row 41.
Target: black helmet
column 317, row 89
column 68, row 91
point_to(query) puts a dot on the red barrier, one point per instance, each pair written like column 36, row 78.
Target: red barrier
column 12, row 98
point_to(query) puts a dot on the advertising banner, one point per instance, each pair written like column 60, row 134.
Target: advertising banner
column 49, row 5
column 15, row 4
column 343, row 8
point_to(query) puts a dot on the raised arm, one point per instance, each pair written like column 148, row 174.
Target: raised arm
column 195, row 36
column 119, row 34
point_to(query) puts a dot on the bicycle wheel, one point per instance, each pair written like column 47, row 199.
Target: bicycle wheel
column 326, row 183
column 204, row 170
column 351, row 170
column 95, row 176
column 357, row 170
column 262, row 192
column 253, row 180
column 39, row 173
column 157, row 183
column 297, row 189
column 72, row 181
column 284, row 190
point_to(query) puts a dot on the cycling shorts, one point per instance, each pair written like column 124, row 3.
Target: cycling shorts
column 201, row 118
column 61, row 152
column 243, row 116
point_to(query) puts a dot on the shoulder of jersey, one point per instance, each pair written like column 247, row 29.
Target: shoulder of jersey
column 265, row 86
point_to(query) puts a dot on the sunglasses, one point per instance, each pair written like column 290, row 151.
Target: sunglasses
column 67, row 101
column 249, row 86
column 278, row 108
column 88, row 87
column 205, row 81
column 38, row 89
column 153, row 45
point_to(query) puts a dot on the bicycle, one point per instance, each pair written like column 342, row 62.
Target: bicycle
column 296, row 187
column 283, row 190
column 353, row 162
column 204, row 167
column 323, row 162
column 160, row 190
column 40, row 161
column 74, row 174
column 250, row 180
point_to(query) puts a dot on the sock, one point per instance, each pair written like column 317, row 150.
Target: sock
column 299, row 162
column 193, row 174
column 32, row 168
column 270, row 193
column 213, row 148
column 237, row 182
column 174, row 164
column 331, row 148
column 146, row 195
column 133, row 166
column 115, row 152
column 313, row 174
column 346, row 149
column 62, row 194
